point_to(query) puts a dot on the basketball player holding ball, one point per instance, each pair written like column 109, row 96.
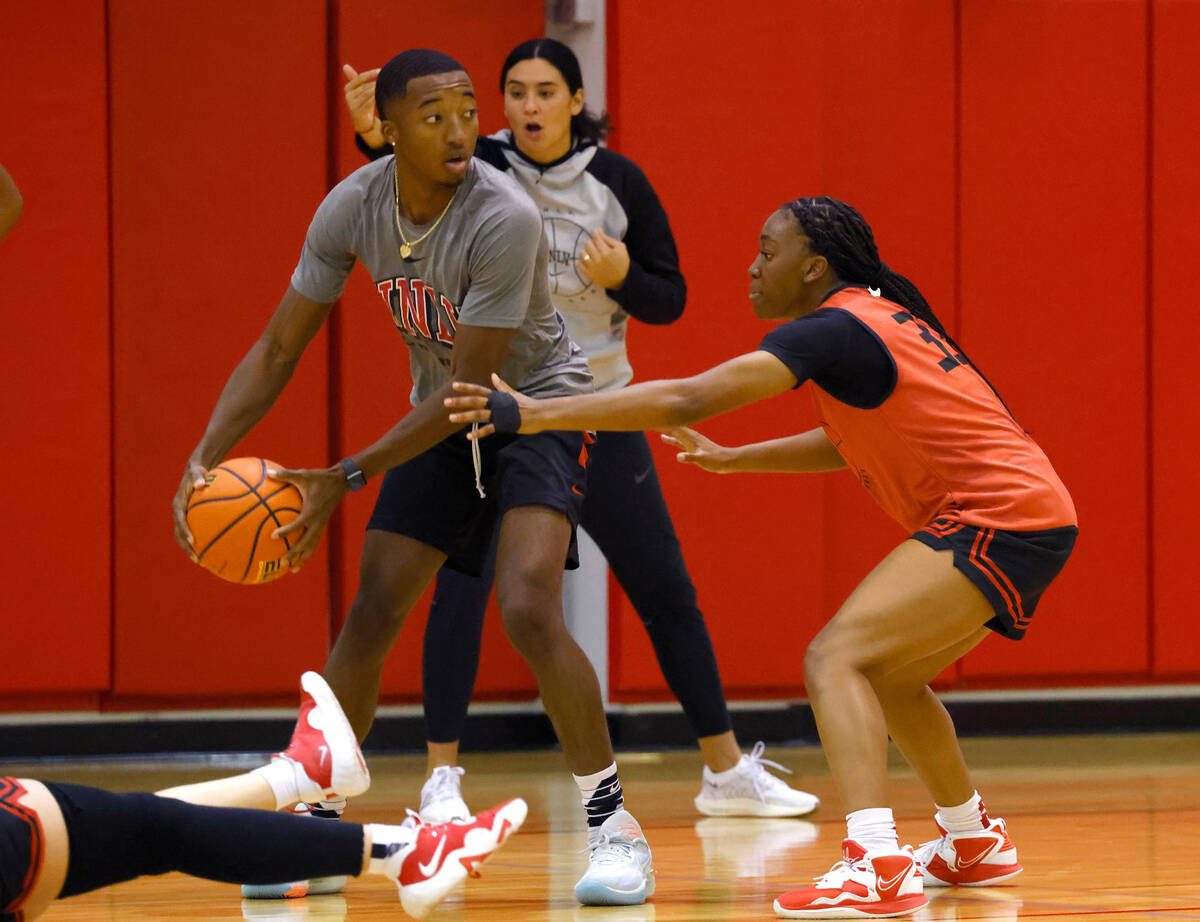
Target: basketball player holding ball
column 612, row 257
column 456, row 252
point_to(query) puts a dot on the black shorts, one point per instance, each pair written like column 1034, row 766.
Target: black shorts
column 1011, row 568
column 432, row 498
column 21, row 850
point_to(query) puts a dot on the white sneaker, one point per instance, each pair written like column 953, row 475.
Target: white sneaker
column 441, row 796
column 752, row 791
column 619, row 871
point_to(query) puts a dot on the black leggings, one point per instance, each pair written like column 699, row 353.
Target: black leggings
column 626, row 515
column 117, row 837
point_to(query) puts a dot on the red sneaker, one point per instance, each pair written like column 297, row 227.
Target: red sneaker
column 863, row 885
column 973, row 859
column 444, row 855
column 323, row 748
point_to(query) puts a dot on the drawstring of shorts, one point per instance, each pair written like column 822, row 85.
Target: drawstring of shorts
column 477, row 462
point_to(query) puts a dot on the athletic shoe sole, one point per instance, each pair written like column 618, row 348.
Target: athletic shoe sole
column 744, row 806
column 902, row 907
column 318, row 886
column 931, row 881
column 594, row 893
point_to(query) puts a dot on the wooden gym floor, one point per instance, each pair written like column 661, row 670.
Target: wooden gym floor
column 1108, row 827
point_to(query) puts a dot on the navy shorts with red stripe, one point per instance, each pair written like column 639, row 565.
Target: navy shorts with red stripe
column 1011, row 568
column 432, row 497
column 21, row 850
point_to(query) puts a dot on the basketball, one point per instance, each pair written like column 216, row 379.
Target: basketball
column 232, row 519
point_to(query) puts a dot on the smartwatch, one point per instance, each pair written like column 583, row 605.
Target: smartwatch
column 355, row 478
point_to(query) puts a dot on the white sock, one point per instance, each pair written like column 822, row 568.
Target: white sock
column 385, row 842
column 970, row 816
column 280, row 775
column 873, row 828
column 728, row 775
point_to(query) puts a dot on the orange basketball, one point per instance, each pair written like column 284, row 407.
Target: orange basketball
column 232, row 519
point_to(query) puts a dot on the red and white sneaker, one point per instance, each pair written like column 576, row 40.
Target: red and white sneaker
column 973, row 859
column 323, row 748
column 863, row 885
column 444, row 855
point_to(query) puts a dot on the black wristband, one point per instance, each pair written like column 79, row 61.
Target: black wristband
column 355, row 478
column 506, row 413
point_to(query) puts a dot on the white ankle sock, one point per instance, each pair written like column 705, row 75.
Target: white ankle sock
column 385, row 842
column 873, row 828
column 280, row 775
column 970, row 816
column 728, row 775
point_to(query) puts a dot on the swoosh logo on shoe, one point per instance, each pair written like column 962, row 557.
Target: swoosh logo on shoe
column 890, row 883
column 961, row 863
column 428, row 869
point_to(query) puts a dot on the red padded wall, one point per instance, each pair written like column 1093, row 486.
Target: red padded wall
column 54, row 380
column 773, row 556
column 218, row 141
column 1176, row 400
column 1054, row 286
column 374, row 383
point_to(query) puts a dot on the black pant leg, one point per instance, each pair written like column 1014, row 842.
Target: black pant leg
column 450, row 657
column 626, row 515
column 117, row 837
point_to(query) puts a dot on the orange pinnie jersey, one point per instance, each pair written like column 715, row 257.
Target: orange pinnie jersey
column 942, row 445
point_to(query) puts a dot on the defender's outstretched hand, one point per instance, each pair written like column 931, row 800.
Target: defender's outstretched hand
column 699, row 450
column 501, row 409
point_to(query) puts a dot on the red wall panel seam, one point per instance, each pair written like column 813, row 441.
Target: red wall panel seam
column 612, row 63
column 112, row 364
column 958, row 207
column 333, row 391
column 1149, row 313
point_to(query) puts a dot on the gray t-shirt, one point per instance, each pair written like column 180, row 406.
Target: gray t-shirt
column 485, row 264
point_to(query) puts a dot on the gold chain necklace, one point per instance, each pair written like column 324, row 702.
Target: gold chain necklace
column 407, row 245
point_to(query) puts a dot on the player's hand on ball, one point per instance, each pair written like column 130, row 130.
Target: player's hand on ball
column 360, row 100
column 699, row 450
column 193, row 479
column 320, row 491
column 476, row 403
column 605, row 260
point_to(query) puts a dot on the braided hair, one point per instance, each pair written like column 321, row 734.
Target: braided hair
column 838, row 232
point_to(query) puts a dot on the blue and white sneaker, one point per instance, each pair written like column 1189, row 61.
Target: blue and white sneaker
column 619, row 871
column 324, row 812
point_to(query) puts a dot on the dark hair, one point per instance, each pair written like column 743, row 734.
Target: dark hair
column 838, row 232
column 585, row 126
column 393, row 79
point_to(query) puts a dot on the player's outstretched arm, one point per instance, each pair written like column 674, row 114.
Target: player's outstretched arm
column 250, row 392
column 807, row 453
column 666, row 404
column 11, row 203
